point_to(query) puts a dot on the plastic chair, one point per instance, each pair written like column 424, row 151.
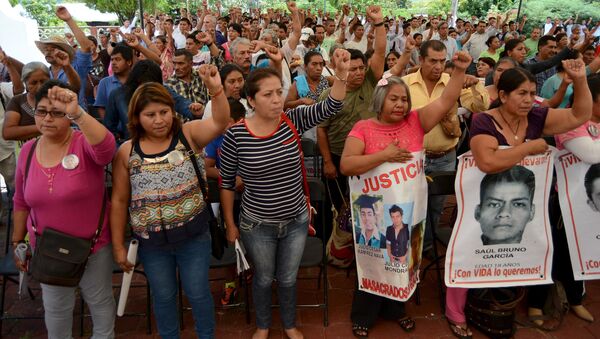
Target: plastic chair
column 10, row 273
column 315, row 248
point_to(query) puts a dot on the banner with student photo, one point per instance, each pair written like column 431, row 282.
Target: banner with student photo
column 389, row 207
column 579, row 195
column 502, row 235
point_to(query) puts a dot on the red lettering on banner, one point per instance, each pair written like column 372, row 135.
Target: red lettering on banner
column 388, row 289
column 387, row 180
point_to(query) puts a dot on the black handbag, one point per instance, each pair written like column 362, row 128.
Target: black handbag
column 59, row 258
column 217, row 233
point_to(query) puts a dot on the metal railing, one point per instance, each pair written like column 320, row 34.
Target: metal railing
column 47, row 32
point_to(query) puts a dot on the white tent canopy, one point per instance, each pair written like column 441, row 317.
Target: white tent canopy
column 18, row 41
column 83, row 13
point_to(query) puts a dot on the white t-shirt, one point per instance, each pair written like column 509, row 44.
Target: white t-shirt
column 361, row 45
column 178, row 39
column 208, row 109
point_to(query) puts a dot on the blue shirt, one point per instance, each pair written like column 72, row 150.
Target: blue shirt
column 82, row 63
column 115, row 118
column 105, row 87
column 213, row 149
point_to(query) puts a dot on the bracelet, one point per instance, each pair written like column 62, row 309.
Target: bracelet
column 338, row 78
column 218, row 92
column 73, row 118
column 379, row 24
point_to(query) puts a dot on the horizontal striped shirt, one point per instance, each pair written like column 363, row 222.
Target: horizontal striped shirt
column 270, row 166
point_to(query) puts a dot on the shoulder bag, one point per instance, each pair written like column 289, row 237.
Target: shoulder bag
column 59, row 258
column 217, row 233
column 311, row 210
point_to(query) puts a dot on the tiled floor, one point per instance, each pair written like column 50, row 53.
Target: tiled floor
column 231, row 323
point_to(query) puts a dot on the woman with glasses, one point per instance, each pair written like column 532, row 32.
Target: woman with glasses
column 63, row 188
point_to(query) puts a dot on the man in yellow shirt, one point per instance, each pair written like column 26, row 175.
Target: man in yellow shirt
column 426, row 85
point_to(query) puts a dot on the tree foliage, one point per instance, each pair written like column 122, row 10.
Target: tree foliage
column 41, row 11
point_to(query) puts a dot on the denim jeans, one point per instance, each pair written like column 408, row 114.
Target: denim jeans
column 435, row 205
column 192, row 259
column 276, row 250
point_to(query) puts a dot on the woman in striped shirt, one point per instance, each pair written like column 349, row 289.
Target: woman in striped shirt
column 263, row 151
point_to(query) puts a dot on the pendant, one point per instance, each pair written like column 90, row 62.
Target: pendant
column 516, row 137
column 175, row 158
column 593, row 130
column 70, row 162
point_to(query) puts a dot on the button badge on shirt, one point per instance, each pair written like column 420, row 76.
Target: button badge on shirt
column 175, row 158
column 70, row 162
column 593, row 130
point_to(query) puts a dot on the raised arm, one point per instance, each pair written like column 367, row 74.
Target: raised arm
column 294, row 38
column 400, row 66
column 431, row 114
column 204, row 131
column 65, row 100
column 134, row 42
column 378, row 58
column 14, row 71
column 563, row 120
column 72, row 77
column 85, row 44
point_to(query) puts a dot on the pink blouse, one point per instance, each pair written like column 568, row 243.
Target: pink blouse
column 377, row 136
column 72, row 202
column 581, row 131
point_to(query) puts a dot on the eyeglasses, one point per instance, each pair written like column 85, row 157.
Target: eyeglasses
column 55, row 114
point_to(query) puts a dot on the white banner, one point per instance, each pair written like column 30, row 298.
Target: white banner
column 389, row 206
column 579, row 196
column 502, row 236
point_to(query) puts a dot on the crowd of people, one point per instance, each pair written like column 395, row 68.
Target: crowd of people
column 224, row 94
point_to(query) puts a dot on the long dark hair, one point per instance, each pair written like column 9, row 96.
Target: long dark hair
column 510, row 80
column 509, row 46
column 142, row 72
column 145, row 94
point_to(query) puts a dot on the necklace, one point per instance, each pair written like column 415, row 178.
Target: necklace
column 49, row 172
column 509, row 127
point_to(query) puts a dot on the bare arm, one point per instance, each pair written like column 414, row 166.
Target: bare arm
column 121, row 194
column 431, row 114
column 294, row 38
column 211, row 168
column 203, row 131
column 491, row 159
column 563, row 120
column 85, row 44
column 227, row 199
column 355, row 162
column 12, row 131
column 378, row 58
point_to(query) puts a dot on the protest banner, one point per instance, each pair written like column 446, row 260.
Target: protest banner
column 389, row 206
column 579, row 196
column 502, row 234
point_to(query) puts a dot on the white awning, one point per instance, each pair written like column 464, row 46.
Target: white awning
column 81, row 12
